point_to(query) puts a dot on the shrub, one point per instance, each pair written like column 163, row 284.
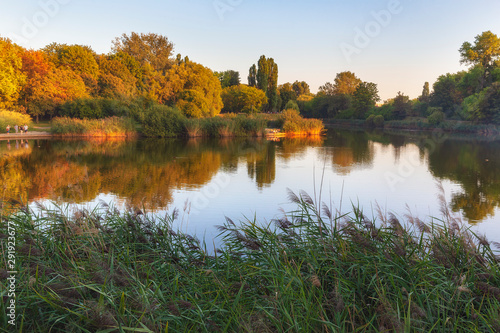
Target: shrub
column 293, row 123
column 345, row 114
column 112, row 126
column 378, row 121
column 164, row 122
column 369, row 121
column 193, row 128
column 292, row 105
column 436, row 118
column 432, row 109
column 250, row 126
column 84, row 108
column 12, row 118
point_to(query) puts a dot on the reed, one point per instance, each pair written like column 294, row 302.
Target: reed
column 294, row 125
column 312, row 270
column 226, row 126
column 107, row 127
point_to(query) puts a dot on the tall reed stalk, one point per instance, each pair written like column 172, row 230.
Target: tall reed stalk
column 313, row 270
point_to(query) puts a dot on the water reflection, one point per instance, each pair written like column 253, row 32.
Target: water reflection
column 474, row 165
column 146, row 173
column 349, row 150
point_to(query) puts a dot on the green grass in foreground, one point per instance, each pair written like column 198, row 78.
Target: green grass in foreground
column 310, row 271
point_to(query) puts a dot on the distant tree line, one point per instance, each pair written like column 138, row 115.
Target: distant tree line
column 141, row 70
column 472, row 95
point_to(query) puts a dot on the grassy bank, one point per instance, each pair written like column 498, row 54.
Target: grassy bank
column 420, row 124
column 164, row 121
column 107, row 127
column 292, row 124
column 309, row 271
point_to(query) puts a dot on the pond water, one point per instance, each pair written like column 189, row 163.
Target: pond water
column 207, row 180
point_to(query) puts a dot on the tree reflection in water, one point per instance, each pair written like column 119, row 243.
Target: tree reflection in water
column 146, row 173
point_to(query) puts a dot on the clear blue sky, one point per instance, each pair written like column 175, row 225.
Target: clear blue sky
column 418, row 41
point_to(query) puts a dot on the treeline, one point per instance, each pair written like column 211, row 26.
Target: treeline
column 472, row 95
column 141, row 72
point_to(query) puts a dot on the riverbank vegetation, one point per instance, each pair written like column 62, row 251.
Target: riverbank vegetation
column 311, row 270
column 63, row 80
column 464, row 101
column 107, row 127
column 162, row 121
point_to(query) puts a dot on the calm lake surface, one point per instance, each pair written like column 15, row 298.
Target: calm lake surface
column 207, row 180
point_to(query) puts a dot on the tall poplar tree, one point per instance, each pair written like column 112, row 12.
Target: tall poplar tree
column 252, row 76
column 267, row 80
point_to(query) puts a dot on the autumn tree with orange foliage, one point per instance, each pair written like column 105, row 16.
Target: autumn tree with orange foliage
column 48, row 86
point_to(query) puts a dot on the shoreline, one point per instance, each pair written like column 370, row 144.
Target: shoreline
column 29, row 135
column 416, row 125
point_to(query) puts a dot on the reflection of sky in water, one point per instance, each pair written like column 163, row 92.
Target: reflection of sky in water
column 390, row 177
column 363, row 187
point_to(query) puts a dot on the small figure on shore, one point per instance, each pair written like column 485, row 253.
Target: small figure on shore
column 16, row 128
column 8, row 129
column 25, row 128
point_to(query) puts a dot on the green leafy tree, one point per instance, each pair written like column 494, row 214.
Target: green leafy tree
column 77, row 58
column 484, row 52
column 115, row 79
column 327, row 89
column 263, row 74
column 286, row 93
column 153, row 49
column 402, row 106
column 486, row 107
column 345, row 84
column 12, row 77
column 228, row 78
column 334, row 98
column 133, row 66
column 243, row 98
column 267, row 81
column 292, row 105
column 365, row 97
column 472, row 81
column 252, row 76
column 425, row 97
column 446, row 93
column 301, row 88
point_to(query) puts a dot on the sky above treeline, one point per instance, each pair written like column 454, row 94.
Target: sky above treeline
column 397, row 44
